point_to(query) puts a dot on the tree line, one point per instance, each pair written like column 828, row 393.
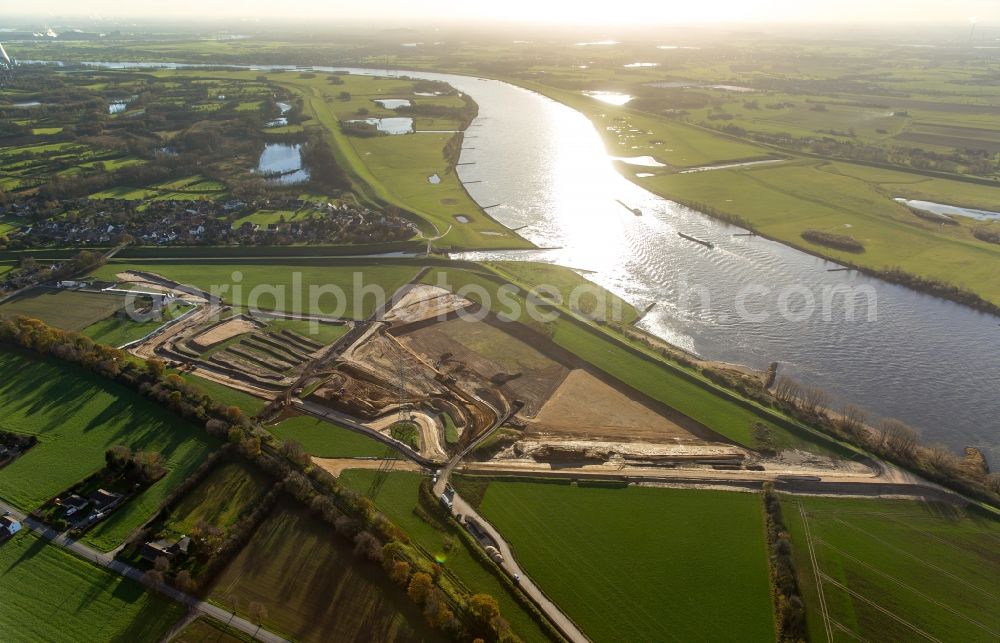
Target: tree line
column 447, row 607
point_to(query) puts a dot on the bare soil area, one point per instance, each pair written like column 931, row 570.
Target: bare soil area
column 221, row 332
column 478, row 352
column 584, row 407
column 425, row 302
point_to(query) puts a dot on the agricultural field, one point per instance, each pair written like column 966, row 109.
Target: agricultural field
column 324, row 439
column 621, row 569
column 77, row 416
column 314, row 587
column 220, row 499
column 207, row 630
column 50, row 595
column 286, row 287
column 397, row 498
column 66, row 309
column 895, row 569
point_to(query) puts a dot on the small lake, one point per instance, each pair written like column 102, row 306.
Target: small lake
column 950, row 210
column 392, row 103
column 26, row 104
column 644, row 161
column 611, row 98
column 434, row 178
column 633, row 65
column 392, row 125
column 282, row 163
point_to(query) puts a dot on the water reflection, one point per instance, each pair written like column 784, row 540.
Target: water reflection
column 282, row 163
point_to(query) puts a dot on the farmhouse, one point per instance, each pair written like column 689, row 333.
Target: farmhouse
column 9, row 526
column 72, row 504
column 104, row 499
column 165, row 548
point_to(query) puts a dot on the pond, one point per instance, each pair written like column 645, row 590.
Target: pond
column 282, row 163
column 391, row 125
column 392, row 103
column 26, row 104
column 434, row 178
column 632, row 65
column 949, row 210
column 611, row 98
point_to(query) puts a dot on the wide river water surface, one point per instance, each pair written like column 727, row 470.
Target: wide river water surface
column 929, row 362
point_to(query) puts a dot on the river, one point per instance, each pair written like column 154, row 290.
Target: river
column 929, row 362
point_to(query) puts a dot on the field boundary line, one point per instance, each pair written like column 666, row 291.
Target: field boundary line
column 885, row 611
column 819, row 574
column 916, row 591
column 923, row 562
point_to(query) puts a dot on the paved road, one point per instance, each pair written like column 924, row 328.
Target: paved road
column 459, row 506
column 108, row 562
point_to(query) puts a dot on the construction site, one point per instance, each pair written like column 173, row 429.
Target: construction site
column 431, row 375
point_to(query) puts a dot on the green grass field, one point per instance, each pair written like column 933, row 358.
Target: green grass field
column 895, row 569
column 286, row 287
column 116, row 331
column 50, row 595
column 316, row 331
column 397, row 498
column 573, row 288
column 66, row 309
column 782, row 200
column 313, row 586
column 207, row 630
column 327, row 440
column 225, row 395
column 639, row 563
column 77, row 416
column 220, row 499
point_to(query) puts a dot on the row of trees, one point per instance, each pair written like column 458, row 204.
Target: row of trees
column 350, row 515
column 890, row 439
column 789, row 607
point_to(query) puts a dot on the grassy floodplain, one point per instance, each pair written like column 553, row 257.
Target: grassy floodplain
column 50, row 595
column 324, row 439
column 397, row 498
column 273, row 286
column 639, row 563
column 895, row 569
column 314, row 587
column 77, row 416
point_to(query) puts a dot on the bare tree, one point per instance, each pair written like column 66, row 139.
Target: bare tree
column 815, row 400
column 853, row 420
column 898, row 437
column 786, row 389
column 258, row 612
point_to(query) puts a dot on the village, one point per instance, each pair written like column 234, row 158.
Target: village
column 278, row 221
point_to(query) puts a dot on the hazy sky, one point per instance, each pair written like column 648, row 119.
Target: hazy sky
column 593, row 12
